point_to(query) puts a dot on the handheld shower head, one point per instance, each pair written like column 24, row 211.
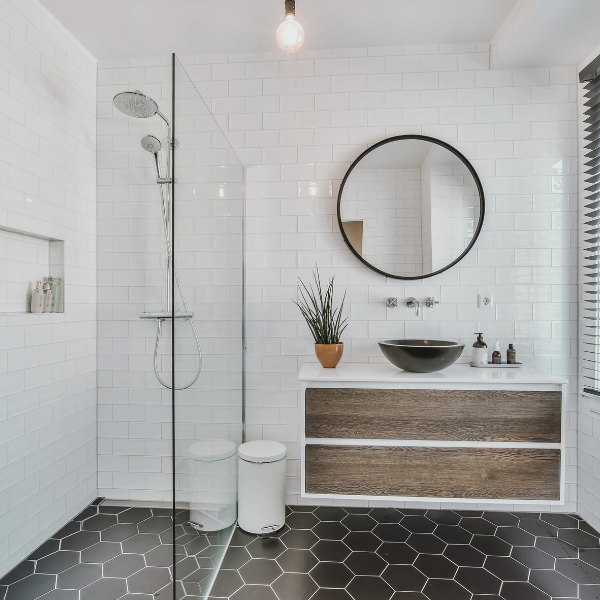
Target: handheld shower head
column 151, row 143
column 138, row 105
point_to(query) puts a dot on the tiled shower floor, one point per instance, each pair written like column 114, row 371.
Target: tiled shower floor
column 381, row 554
column 323, row 553
column 110, row 553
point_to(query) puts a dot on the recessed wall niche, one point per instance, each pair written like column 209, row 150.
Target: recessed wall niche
column 24, row 259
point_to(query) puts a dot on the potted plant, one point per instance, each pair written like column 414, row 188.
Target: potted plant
column 324, row 321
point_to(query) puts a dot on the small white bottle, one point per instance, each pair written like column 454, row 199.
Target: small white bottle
column 47, row 297
column 37, row 298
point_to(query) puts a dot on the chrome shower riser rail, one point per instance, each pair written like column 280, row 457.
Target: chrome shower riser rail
column 165, row 316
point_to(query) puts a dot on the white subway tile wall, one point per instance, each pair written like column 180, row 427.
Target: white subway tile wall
column 47, row 362
column 299, row 122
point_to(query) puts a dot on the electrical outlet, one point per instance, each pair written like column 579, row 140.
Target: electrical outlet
column 485, row 301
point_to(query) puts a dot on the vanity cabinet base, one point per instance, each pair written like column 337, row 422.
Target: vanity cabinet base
column 433, row 472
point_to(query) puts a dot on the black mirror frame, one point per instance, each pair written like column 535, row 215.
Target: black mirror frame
column 439, row 143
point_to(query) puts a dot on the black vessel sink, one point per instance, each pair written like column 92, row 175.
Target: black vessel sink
column 421, row 356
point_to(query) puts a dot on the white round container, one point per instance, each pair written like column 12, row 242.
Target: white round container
column 212, row 484
column 261, row 488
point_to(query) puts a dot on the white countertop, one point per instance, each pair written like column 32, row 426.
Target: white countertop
column 457, row 373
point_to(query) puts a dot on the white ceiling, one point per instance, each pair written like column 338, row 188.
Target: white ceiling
column 557, row 33
column 150, row 28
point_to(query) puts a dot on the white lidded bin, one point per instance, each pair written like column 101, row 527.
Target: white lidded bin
column 212, row 480
column 261, row 488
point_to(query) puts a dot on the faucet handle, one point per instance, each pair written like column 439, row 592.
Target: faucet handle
column 414, row 303
column 431, row 301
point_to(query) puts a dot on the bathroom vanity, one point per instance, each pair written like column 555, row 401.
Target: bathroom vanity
column 372, row 431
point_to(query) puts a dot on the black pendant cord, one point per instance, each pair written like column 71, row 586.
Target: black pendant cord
column 172, row 151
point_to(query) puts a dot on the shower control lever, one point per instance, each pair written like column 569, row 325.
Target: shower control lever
column 164, row 316
column 414, row 303
column 163, row 180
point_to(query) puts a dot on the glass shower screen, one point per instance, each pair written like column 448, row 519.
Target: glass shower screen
column 207, row 337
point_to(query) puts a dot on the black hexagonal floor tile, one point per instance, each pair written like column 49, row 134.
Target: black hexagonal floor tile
column 453, row 534
column 362, row 541
column 332, row 575
column 254, row 592
column 478, row 580
column 445, row 589
column 30, row 587
column 491, row 545
column 578, row 538
column 140, row 543
column 366, row 563
column 404, row 578
column 515, row 536
column 560, row 520
column 100, row 552
column 386, row 515
column 119, row 533
column 58, row 562
column 538, row 528
column 365, row 587
column 99, row 523
column 235, row 558
column 391, row 532
column 79, row 576
column 522, row 589
column 299, row 539
column 553, row 583
column 464, row 556
column 329, row 594
column 162, row 556
column 21, row 571
column 48, row 547
column 501, row 519
column 301, row 520
column 149, row 580
column 436, row 565
column 426, row 543
column 294, row 586
column 68, row 529
column 359, row 522
column 105, row 589
column 226, row 583
column 579, row 571
column 556, row 547
column 418, row 524
column 262, row 571
column 330, row 530
column 506, row 568
column 397, row 554
column 297, row 561
column 478, row 525
column 330, row 513
column 443, row 517
column 330, row 550
column 155, row 525
column 80, row 540
column 124, row 565
column 134, row 515
column 266, row 548
column 533, row 558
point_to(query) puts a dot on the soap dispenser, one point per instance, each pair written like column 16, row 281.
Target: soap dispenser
column 37, row 298
column 47, row 297
column 480, row 351
column 496, row 356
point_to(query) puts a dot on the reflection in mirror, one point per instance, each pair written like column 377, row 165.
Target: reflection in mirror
column 410, row 207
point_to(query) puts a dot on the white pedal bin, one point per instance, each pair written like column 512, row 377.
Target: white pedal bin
column 261, row 489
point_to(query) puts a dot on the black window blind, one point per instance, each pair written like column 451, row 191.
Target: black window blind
column 590, row 331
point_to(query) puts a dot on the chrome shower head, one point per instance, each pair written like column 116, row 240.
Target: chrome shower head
column 151, row 143
column 135, row 104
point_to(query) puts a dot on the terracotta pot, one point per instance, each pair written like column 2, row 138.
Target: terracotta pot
column 329, row 355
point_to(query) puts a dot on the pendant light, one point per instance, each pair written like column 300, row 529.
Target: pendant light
column 290, row 35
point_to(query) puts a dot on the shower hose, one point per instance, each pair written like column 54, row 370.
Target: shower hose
column 166, row 228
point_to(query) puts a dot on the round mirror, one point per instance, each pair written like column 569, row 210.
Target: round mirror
column 410, row 207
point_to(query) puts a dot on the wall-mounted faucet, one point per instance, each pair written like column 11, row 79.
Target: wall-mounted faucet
column 431, row 301
column 414, row 303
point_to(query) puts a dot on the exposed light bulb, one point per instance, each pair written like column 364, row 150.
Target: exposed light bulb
column 290, row 35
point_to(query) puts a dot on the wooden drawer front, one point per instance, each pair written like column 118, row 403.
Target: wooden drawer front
column 494, row 473
column 461, row 415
